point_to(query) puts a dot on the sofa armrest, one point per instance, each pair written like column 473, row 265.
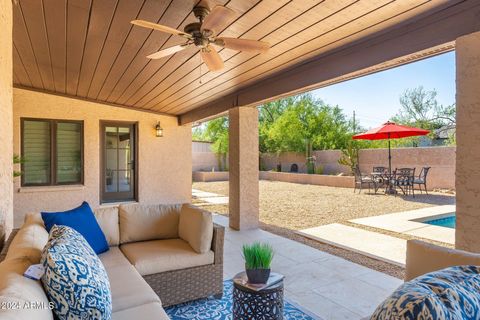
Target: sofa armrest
column 423, row 257
column 217, row 242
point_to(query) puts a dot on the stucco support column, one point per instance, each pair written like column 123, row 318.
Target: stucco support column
column 243, row 168
column 467, row 236
column 6, row 124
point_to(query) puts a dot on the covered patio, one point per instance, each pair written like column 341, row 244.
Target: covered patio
column 81, row 65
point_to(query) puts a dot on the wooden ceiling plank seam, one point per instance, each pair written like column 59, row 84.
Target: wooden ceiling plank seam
column 163, row 62
column 107, row 88
column 48, row 43
column 144, row 104
column 56, row 48
column 101, row 50
column 121, row 28
column 234, row 55
column 78, row 18
column 122, row 87
column 184, row 110
column 283, row 41
column 84, row 45
column 158, row 83
column 19, row 6
column 66, row 54
column 17, row 57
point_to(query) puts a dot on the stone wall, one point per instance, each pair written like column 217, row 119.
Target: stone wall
column 440, row 159
column 164, row 168
column 6, row 130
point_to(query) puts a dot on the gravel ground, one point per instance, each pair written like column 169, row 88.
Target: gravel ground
column 286, row 207
column 299, row 206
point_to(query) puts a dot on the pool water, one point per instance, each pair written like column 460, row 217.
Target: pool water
column 448, row 222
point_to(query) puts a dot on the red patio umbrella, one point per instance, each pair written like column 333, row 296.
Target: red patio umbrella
column 390, row 130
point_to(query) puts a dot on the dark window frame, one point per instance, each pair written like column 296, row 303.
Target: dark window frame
column 52, row 179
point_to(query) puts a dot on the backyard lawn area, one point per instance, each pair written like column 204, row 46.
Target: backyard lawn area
column 300, row 206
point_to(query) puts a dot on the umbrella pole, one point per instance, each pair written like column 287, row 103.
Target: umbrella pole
column 390, row 189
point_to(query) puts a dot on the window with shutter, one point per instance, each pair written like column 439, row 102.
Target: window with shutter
column 52, row 151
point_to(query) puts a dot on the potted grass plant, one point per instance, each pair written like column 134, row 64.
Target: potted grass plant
column 258, row 258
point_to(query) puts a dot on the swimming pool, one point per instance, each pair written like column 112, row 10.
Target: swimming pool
column 448, row 222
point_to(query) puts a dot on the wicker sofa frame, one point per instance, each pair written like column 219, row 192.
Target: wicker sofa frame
column 174, row 287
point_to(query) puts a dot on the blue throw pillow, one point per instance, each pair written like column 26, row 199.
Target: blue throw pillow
column 83, row 221
column 75, row 279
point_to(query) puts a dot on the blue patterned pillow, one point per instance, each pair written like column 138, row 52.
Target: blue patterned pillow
column 451, row 293
column 75, row 279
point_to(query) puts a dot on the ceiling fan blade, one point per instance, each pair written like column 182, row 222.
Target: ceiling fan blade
column 159, row 27
column 167, row 52
column 212, row 59
column 218, row 19
column 243, row 44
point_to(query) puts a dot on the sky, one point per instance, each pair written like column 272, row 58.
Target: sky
column 375, row 97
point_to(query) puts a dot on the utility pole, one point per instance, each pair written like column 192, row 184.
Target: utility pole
column 354, row 124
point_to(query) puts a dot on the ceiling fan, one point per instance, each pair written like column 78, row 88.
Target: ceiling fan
column 203, row 35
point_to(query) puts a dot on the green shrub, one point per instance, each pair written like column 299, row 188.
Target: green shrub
column 257, row 255
column 319, row 170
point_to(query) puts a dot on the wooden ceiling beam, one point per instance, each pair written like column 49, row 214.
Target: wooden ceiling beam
column 412, row 40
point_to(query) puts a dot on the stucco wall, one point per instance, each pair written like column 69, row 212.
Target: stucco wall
column 6, row 186
column 468, row 150
column 164, row 168
column 440, row 159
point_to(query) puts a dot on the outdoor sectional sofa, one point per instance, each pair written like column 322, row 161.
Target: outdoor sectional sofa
column 159, row 255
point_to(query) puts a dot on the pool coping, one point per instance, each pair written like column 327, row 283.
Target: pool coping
column 411, row 223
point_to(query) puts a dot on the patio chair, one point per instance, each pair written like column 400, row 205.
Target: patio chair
column 422, row 179
column 379, row 174
column 361, row 180
column 403, row 179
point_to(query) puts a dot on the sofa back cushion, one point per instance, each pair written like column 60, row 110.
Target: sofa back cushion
column 196, row 227
column 107, row 219
column 452, row 293
column 75, row 279
column 139, row 222
column 29, row 241
column 20, row 297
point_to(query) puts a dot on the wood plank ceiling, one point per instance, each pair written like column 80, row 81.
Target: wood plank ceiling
column 89, row 49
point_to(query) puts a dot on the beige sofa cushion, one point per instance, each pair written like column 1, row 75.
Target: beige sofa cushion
column 113, row 257
column 20, row 291
column 30, row 239
column 128, row 288
column 148, row 222
column 107, row 218
column 150, row 311
column 423, row 257
column 196, row 227
column 155, row 256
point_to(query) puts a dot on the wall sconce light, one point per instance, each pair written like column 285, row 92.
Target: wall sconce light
column 158, row 130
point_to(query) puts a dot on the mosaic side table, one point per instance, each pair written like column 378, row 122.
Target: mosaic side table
column 266, row 304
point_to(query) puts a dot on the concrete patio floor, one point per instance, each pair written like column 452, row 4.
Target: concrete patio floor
column 326, row 285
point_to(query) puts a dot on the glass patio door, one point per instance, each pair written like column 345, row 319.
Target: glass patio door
column 118, row 174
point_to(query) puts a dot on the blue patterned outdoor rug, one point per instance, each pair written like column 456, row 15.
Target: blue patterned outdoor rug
column 214, row 309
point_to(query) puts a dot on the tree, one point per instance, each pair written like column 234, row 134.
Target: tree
column 215, row 131
column 420, row 108
column 307, row 124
